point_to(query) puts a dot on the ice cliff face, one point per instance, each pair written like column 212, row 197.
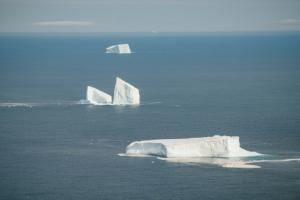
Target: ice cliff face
column 125, row 93
column 119, row 49
column 216, row 146
column 97, row 97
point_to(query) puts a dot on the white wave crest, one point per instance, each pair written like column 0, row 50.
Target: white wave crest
column 58, row 103
column 10, row 105
column 41, row 104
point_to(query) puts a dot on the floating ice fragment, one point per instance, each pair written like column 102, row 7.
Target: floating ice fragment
column 119, row 49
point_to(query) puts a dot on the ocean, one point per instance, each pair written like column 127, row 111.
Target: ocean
column 191, row 85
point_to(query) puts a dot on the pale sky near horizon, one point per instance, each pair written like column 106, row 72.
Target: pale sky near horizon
column 149, row 16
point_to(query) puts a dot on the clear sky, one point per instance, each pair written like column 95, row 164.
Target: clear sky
column 149, row 16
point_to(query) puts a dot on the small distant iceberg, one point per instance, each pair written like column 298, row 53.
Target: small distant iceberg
column 124, row 94
column 97, row 97
column 216, row 146
column 119, row 49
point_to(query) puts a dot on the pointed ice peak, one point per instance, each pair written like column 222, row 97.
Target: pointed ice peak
column 97, row 97
column 119, row 49
column 125, row 93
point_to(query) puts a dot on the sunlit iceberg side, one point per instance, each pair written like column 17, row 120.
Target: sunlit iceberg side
column 97, row 97
column 216, row 146
column 119, row 49
column 125, row 93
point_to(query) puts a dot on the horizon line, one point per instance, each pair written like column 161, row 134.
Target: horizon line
column 148, row 32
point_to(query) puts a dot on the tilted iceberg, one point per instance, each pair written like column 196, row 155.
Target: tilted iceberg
column 216, row 146
column 125, row 93
column 119, row 49
column 97, row 97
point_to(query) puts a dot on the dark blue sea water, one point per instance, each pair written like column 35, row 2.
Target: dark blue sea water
column 191, row 86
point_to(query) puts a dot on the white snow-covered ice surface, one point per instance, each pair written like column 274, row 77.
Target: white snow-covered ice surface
column 218, row 150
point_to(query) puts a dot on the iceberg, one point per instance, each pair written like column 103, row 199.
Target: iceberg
column 224, row 151
column 125, row 93
column 216, row 146
column 97, row 97
column 119, row 49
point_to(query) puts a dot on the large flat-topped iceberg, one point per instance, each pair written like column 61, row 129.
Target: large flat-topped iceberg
column 216, row 146
column 119, row 49
column 125, row 93
column 97, row 97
